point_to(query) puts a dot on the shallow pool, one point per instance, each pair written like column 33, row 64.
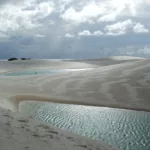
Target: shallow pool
column 30, row 72
column 126, row 129
column 38, row 72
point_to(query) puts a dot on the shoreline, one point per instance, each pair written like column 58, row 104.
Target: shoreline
column 61, row 70
column 21, row 132
column 20, row 98
column 124, row 86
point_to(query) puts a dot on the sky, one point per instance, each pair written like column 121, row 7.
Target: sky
column 62, row 29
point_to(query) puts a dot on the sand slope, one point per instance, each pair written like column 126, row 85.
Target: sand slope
column 112, row 82
column 20, row 133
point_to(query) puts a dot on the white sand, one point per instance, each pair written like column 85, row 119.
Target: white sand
column 112, row 83
column 21, row 133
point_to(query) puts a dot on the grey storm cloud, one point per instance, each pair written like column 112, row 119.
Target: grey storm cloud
column 74, row 29
column 2, row 2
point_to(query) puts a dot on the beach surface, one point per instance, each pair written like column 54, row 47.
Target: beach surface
column 21, row 133
column 119, row 82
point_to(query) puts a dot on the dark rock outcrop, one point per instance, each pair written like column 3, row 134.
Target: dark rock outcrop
column 12, row 59
column 25, row 58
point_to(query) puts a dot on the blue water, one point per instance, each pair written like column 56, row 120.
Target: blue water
column 38, row 72
column 125, row 129
column 31, row 72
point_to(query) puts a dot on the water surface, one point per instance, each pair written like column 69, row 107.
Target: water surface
column 126, row 129
column 31, row 72
column 38, row 72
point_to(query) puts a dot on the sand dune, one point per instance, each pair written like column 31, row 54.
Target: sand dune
column 121, row 82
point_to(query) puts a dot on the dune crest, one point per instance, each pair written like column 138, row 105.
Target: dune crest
column 118, row 82
column 110, row 83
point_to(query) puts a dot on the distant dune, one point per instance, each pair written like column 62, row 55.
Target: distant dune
column 111, row 83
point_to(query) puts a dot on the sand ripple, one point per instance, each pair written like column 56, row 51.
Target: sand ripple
column 122, row 128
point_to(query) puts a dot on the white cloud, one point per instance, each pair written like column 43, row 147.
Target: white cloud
column 68, row 35
column 145, row 50
column 139, row 28
column 40, row 35
column 88, row 33
column 23, row 16
column 12, row 18
column 54, row 20
column 84, row 33
column 108, row 17
column 44, row 9
column 119, row 27
column 115, row 33
column 124, row 27
column 105, row 10
column 97, row 33
column 130, row 53
column 91, row 10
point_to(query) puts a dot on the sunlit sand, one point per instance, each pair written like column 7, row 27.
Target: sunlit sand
column 119, row 82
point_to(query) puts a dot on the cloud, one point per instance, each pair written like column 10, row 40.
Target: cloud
column 138, row 51
column 139, row 28
column 40, row 36
column 3, row 2
column 88, row 33
column 89, row 11
column 23, row 16
column 115, row 33
column 44, row 9
column 84, row 33
column 97, row 11
column 119, row 28
column 97, row 33
column 112, row 26
column 145, row 50
column 68, row 35
column 124, row 27
column 107, row 18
